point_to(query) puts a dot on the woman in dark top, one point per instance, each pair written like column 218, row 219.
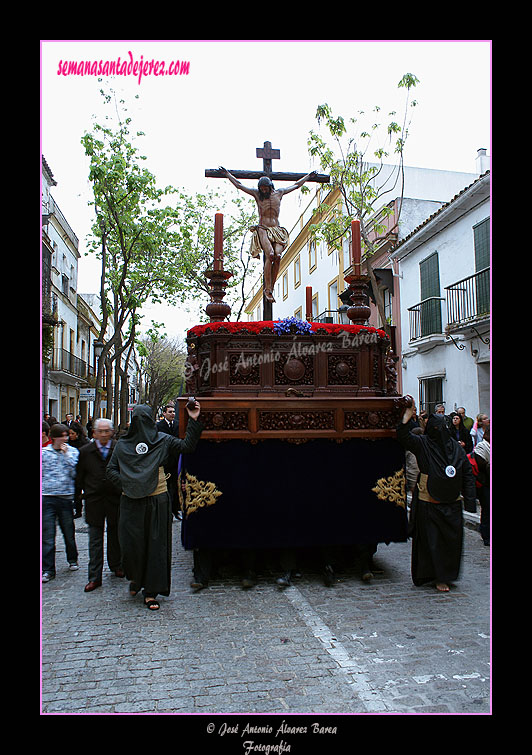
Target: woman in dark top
column 76, row 435
column 459, row 433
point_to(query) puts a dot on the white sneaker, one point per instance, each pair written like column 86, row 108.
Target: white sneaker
column 46, row 576
column 73, row 567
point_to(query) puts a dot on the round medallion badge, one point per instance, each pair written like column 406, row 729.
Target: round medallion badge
column 141, row 448
column 450, row 471
column 294, row 369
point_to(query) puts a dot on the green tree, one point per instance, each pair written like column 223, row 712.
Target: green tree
column 162, row 364
column 154, row 244
column 353, row 159
column 197, row 248
column 134, row 235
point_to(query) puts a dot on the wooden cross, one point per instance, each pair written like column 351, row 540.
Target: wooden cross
column 268, row 154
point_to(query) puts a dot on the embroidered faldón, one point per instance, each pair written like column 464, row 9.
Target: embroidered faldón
column 392, row 489
column 197, row 494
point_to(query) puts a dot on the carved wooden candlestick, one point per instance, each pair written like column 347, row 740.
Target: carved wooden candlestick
column 218, row 310
column 359, row 311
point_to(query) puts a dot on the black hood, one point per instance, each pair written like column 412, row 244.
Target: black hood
column 440, row 439
column 445, row 457
column 140, row 453
column 142, row 428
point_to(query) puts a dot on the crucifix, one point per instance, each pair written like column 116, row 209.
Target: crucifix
column 268, row 236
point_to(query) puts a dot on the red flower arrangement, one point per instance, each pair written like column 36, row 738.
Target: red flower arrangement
column 258, row 327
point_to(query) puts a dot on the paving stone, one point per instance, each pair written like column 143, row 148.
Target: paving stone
column 384, row 646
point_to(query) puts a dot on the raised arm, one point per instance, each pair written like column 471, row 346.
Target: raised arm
column 407, row 439
column 194, row 429
column 299, row 183
column 235, row 182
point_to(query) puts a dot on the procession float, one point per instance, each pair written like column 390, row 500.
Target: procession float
column 299, row 446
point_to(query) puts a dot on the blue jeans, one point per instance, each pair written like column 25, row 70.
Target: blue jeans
column 57, row 509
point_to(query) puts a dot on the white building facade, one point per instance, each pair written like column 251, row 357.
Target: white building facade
column 68, row 368
column 444, row 285
column 306, row 263
column 68, row 372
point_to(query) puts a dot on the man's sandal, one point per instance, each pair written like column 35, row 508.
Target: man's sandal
column 151, row 604
column 133, row 589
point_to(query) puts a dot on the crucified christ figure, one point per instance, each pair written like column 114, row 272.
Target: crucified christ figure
column 268, row 236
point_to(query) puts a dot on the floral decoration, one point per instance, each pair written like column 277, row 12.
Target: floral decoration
column 291, row 325
column 281, row 327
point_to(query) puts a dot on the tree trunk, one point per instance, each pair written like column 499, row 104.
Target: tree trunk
column 109, row 388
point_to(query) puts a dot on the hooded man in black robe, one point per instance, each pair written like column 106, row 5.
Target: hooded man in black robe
column 145, row 522
column 436, row 509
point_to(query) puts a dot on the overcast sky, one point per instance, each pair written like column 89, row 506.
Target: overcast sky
column 238, row 94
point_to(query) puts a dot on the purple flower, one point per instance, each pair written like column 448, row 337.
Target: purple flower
column 291, row 325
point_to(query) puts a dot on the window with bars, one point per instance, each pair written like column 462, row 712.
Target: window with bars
column 430, row 393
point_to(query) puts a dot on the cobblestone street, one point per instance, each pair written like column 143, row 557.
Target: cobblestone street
column 355, row 648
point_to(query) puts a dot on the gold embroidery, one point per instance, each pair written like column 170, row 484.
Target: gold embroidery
column 196, row 494
column 392, row 489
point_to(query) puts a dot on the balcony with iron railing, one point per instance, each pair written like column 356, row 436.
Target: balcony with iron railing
column 52, row 208
column 336, row 316
column 67, row 363
column 468, row 300
column 47, row 302
column 425, row 318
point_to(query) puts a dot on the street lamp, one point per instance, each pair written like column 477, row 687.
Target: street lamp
column 98, row 348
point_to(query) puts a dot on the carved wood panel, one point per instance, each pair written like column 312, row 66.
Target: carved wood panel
column 294, row 420
column 291, row 370
column 220, row 420
column 342, row 369
column 377, row 420
column 244, row 369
